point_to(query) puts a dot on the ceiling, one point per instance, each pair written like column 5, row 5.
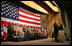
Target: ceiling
column 42, row 7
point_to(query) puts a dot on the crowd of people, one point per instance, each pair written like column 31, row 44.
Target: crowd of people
column 19, row 32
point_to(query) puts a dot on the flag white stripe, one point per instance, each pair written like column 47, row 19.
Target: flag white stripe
column 28, row 19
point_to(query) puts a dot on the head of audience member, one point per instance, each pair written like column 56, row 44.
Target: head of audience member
column 13, row 24
column 9, row 23
column 42, row 29
column 3, row 25
column 29, row 27
column 35, row 28
column 38, row 28
column 19, row 25
column 16, row 24
column 26, row 26
column 32, row 27
column 23, row 26
column 45, row 27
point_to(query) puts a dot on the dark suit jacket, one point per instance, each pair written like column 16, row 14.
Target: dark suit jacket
column 55, row 29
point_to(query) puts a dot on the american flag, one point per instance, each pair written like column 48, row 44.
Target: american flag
column 11, row 12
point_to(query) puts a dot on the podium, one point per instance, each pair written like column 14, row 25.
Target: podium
column 61, row 36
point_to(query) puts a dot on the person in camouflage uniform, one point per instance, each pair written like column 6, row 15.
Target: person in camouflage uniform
column 20, row 33
column 24, row 29
column 2, row 31
column 26, row 33
column 35, row 34
column 30, row 32
column 17, row 32
column 42, row 34
column 11, row 32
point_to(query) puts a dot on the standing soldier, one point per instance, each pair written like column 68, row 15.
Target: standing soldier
column 25, row 32
column 28, row 33
column 2, row 31
column 14, row 29
column 42, row 30
column 32, row 32
column 35, row 36
column 5, row 30
column 24, row 28
column 42, row 34
column 45, row 29
column 29, row 29
column 39, row 33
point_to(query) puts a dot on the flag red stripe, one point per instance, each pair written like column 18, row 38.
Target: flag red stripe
column 28, row 17
column 29, row 22
column 28, row 13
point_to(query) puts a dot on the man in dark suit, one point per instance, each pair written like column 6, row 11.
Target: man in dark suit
column 56, row 30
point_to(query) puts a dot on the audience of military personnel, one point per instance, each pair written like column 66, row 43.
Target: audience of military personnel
column 21, row 32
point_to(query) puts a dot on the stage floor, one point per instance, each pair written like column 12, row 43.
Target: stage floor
column 48, row 41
